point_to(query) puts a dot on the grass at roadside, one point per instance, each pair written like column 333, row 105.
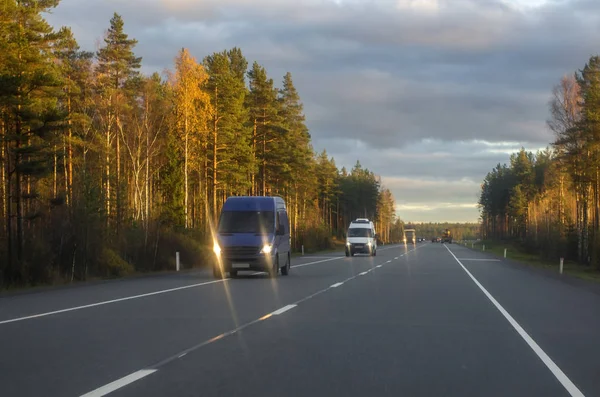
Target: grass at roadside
column 337, row 246
column 515, row 253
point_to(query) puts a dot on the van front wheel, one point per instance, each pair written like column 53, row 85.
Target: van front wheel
column 286, row 269
column 274, row 269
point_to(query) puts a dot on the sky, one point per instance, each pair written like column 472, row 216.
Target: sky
column 428, row 94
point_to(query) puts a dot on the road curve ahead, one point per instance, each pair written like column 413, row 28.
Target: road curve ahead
column 416, row 320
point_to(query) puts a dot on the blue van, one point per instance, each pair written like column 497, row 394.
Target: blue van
column 253, row 234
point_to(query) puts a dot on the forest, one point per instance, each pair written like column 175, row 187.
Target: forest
column 105, row 171
column 549, row 202
column 460, row 231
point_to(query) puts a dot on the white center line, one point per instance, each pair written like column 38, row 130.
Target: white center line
column 336, row 285
column 556, row 371
column 283, row 310
column 119, row 383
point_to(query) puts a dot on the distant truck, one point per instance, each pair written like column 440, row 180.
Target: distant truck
column 447, row 236
column 410, row 236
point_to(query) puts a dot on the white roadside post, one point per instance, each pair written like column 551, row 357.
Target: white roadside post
column 483, row 248
column 472, row 245
column 177, row 260
column 562, row 261
column 504, row 253
column 302, row 249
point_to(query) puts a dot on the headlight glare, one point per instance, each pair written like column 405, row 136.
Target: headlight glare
column 266, row 249
column 216, row 248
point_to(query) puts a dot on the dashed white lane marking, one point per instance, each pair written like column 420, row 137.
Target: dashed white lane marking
column 362, row 274
column 283, row 310
column 396, row 258
column 140, row 374
column 336, row 285
column 381, row 265
column 109, row 388
column 556, row 371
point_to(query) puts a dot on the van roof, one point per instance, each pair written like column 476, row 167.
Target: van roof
column 254, row 203
column 360, row 225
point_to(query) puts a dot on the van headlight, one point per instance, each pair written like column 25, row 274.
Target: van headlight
column 369, row 244
column 348, row 243
column 266, row 249
column 216, row 248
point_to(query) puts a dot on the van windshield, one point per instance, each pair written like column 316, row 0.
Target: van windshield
column 359, row 232
column 258, row 222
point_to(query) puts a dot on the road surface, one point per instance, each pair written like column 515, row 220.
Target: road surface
column 416, row 320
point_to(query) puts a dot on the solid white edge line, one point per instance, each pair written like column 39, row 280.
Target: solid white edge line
column 336, row 285
column 110, row 301
column 314, row 263
column 70, row 309
column 556, row 371
column 109, row 388
column 283, row 310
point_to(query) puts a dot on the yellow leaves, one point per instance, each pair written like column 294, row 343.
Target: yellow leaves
column 192, row 103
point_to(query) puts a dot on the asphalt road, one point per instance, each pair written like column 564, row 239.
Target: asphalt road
column 424, row 320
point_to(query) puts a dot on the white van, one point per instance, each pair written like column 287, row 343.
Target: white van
column 361, row 238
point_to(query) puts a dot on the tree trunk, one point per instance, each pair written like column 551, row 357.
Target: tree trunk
column 214, row 161
column 118, row 181
column 185, row 172
column 19, row 193
column 254, row 138
column 107, row 171
column 55, row 173
column 69, row 183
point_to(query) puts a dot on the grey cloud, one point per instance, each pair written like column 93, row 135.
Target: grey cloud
column 377, row 78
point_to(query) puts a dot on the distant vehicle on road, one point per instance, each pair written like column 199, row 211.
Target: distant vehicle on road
column 447, row 236
column 436, row 240
column 253, row 233
column 410, row 236
column 361, row 238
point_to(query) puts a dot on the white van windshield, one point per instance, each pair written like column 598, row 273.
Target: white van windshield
column 360, row 232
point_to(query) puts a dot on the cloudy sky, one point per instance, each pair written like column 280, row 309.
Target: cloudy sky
column 429, row 94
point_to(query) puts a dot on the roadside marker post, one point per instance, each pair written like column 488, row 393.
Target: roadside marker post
column 483, row 248
column 302, row 249
column 562, row 261
column 177, row 260
column 504, row 253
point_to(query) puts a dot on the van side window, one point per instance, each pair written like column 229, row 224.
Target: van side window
column 281, row 221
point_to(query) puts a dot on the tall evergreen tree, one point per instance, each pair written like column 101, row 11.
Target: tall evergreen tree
column 117, row 66
column 29, row 88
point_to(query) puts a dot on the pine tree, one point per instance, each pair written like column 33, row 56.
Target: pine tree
column 117, row 66
column 264, row 118
column 231, row 158
column 29, row 88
